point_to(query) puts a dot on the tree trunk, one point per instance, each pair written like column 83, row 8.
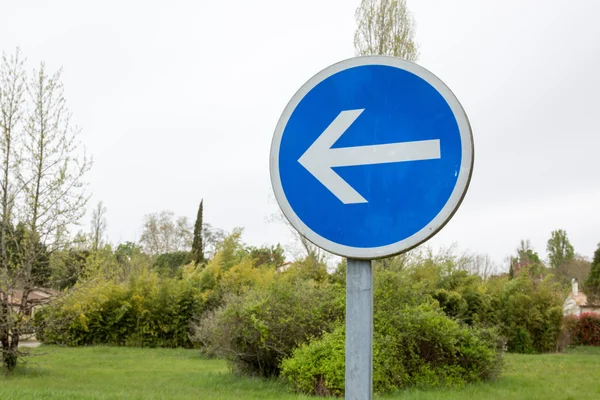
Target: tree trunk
column 4, row 338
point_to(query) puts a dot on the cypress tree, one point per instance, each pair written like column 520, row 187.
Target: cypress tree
column 197, row 253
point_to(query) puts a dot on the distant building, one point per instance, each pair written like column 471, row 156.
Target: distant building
column 36, row 299
column 577, row 302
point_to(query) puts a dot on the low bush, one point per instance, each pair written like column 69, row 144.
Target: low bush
column 318, row 367
column 257, row 329
column 584, row 329
column 144, row 311
column 529, row 314
column 417, row 346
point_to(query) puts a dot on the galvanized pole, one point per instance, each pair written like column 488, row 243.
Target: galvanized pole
column 359, row 330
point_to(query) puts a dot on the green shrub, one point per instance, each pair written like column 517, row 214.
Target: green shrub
column 529, row 314
column 318, row 367
column 415, row 342
column 257, row 329
column 416, row 346
column 143, row 311
column 168, row 264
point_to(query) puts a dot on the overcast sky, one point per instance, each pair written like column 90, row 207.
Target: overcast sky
column 179, row 103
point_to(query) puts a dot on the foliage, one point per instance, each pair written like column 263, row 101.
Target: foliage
column 67, row 267
column 144, row 311
column 211, row 238
column 584, row 329
column 169, row 264
column 529, row 312
column 19, row 240
column 318, row 367
column 385, row 27
column 197, row 246
column 129, row 298
column 578, row 268
column 163, row 233
column 272, row 256
column 42, row 190
column 255, row 330
column 415, row 344
column 592, row 284
column 560, row 250
column 527, row 260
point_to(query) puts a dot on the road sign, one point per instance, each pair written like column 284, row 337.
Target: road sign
column 371, row 157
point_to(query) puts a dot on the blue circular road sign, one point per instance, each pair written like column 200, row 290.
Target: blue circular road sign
column 371, row 157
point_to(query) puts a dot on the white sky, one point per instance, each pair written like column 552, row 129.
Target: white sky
column 178, row 101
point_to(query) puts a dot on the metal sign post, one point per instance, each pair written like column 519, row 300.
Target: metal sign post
column 359, row 330
column 370, row 158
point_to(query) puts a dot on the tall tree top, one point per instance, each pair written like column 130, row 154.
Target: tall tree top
column 560, row 250
column 385, row 27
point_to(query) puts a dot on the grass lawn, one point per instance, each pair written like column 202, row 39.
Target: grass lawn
column 126, row 373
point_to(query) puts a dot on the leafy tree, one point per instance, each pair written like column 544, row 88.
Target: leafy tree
column 579, row 268
column 385, row 27
column 526, row 259
column 592, row 284
column 169, row 263
column 40, row 267
column 560, row 250
column 197, row 246
column 126, row 250
column 272, row 256
column 231, row 250
column 67, row 266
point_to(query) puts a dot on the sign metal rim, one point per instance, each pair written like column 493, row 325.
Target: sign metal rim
column 438, row 222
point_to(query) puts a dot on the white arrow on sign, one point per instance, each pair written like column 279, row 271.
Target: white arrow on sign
column 320, row 158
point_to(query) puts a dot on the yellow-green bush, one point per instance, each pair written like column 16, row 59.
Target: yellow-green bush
column 142, row 311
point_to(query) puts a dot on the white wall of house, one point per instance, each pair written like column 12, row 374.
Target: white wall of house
column 570, row 307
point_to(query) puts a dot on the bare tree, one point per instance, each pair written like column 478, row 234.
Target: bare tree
column 53, row 166
column 99, row 224
column 150, row 239
column 211, row 238
column 163, row 233
column 482, row 265
column 302, row 247
column 183, row 234
column 12, row 98
column 49, row 180
column 385, row 27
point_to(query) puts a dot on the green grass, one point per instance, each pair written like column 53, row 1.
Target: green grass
column 126, row 373
column 130, row 373
column 571, row 376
